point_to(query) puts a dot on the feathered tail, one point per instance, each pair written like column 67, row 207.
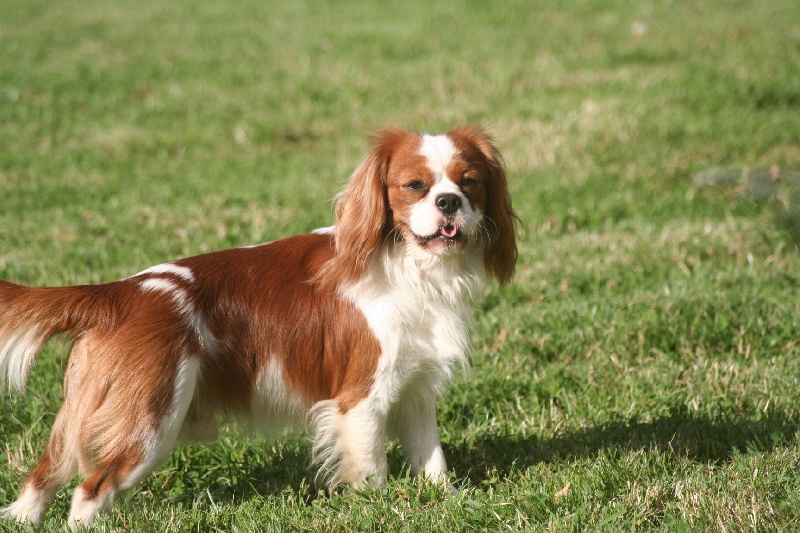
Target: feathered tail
column 30, row 316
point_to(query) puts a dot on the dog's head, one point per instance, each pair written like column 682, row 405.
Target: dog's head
column 440, row 194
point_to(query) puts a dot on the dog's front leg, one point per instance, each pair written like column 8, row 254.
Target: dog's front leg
column 350, row 445
column 414, row 423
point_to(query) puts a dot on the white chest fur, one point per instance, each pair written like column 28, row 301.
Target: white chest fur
column 419, row 308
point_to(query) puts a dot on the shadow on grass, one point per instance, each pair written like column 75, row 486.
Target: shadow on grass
column 701, row 439
column 258, row 472
column 255, row 470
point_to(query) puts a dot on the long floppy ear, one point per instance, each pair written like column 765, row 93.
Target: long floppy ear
column 500, row 255
column 362, row 212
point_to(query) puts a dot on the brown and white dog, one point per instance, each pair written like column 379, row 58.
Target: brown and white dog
column 353, row 329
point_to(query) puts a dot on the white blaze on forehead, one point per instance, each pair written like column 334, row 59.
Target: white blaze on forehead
column 439, row 152
column 426, row 219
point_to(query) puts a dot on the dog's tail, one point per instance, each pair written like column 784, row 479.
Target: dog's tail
column 30, row 316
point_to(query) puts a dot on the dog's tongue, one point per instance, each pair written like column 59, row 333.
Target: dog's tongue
column 449, row 231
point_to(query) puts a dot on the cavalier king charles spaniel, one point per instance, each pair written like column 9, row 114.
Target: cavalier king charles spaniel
column 350, row 331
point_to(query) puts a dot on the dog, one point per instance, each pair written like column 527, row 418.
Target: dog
column 351, row 331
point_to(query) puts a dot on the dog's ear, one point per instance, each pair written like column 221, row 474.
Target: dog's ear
column 500, row 255
column 362, row 212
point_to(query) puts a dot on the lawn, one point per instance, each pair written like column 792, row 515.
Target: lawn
column 642, row 370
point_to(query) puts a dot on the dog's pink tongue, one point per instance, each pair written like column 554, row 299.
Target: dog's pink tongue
column 449, row 231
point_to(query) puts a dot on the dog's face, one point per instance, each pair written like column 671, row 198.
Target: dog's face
column 440, row 194
column 437, row 194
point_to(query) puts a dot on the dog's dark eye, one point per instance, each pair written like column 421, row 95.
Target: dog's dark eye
column 415, row 185
column 466, row 183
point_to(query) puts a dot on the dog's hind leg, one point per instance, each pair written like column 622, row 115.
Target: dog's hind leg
column 57, row 466
column 36, row 493
column 98, row 492
column 60, row 461
column 122, row 464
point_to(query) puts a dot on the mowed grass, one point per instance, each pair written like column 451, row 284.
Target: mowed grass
column 641, row 372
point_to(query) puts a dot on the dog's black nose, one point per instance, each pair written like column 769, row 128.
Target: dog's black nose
column 448, row 203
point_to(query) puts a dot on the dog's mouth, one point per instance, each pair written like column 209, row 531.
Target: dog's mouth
column 448, row 235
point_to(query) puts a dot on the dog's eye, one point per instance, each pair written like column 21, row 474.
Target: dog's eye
column 467, row 182
column 415, row 185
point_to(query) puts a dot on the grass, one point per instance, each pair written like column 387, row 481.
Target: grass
column 641, row 372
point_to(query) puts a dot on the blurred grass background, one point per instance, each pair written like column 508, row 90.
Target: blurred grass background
column 641, row 373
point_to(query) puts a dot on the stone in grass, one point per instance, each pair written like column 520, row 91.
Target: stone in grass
column 758, row 183
column 777, row 187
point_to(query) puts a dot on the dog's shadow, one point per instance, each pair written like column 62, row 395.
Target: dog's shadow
column 258, row 472
column 699, row 438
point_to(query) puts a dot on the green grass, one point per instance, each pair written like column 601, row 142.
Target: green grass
column 641, row 373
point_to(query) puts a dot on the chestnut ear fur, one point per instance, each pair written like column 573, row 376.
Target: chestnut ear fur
column 500, row 255
column 362, row 210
